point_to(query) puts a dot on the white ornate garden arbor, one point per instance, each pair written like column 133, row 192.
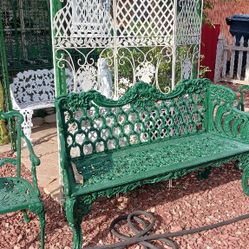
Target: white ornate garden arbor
column 119, row 42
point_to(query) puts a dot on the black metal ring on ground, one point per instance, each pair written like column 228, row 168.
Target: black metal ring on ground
column 146, row 221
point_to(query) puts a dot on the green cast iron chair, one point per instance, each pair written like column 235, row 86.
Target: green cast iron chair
column 16, row 193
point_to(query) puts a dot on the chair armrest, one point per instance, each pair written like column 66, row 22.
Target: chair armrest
column 33, row 158
column 35, row 161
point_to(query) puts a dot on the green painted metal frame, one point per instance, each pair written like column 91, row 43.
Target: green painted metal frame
column 4, row 136
column 60, row 75
column 17, row 194
column 216, row 117
column 27, row 34
column 6, row 83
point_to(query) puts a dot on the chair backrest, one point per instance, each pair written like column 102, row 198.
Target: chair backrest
column 89, row 123
column 19, row 119
column 35, row 87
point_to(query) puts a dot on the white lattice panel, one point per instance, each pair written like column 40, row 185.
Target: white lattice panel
column 148, row 40
column 145, row 22
column 84, row 23
column 91, row 18
column 188, row 22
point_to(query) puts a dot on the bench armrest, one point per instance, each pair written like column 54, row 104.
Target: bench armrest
column 15, row 105
column 241, row 103
column 224, row 118
column 238, row 127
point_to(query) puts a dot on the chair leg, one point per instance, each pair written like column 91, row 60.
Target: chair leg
column 77, row 235
column 244, row 166
column 42, row 227
column 27, row 123
column 74, row 222
column 40, row 212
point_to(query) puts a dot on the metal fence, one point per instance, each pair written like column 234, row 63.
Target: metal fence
column 232, row 61
column 26, row 25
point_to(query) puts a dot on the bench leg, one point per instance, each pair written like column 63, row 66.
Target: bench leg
column 204, row 174
column 25, row 216
column 74, row 221
column 245, row 178
column 27, row 123
column 244, row 165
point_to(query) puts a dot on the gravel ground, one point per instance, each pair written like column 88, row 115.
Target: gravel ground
column 189, row 203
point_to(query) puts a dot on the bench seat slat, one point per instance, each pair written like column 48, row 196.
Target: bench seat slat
column 115, row 168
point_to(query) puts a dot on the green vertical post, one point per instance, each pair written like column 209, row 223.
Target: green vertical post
column 17, row 43
column 199, row 58
column 60, row 75
column 60, row 83
column 4, row 138
column 6, row 83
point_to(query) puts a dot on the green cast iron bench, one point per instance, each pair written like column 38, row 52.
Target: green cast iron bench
column 16, row 193
column 110, row 147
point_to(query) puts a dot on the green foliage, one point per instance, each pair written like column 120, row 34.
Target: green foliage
column 148, row 60
column 131, row 61
column 207, row 5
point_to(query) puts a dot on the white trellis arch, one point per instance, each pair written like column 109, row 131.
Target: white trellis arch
column 151, row 40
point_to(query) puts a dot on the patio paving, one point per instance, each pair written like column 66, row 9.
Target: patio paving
column 45, row 144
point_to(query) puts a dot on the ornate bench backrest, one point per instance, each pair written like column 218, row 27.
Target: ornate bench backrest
column 35, row 87
column 89, row 123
